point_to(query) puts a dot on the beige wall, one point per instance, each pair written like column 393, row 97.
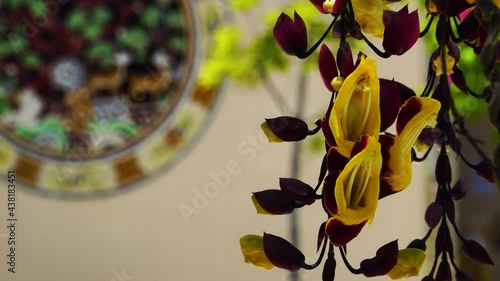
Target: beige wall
column 142, row 233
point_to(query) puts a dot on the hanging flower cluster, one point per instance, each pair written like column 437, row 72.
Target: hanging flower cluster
column 363, row 163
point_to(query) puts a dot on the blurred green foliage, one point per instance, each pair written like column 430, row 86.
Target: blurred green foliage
column 260, row 56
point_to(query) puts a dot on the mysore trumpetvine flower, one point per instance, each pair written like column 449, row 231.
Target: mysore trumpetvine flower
column 356, row 109
column 351, row 193
column 364, row 163
column 415, row 114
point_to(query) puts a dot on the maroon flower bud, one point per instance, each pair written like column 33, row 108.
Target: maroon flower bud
column 401, row 30
column 476, row 252
column 273, row 202
column 458, row 79
column 433, row 214
column 443, row 169
column 299, row 190
column 417, row 244
column 485, row 170
column 329, row 269
column 390, row 102
column 285, row 128
column 443, row 241
column 321, row 235
column 346, row 27
column 384, row 260
column 282, row 253
column 344, row 59
column 291, row 35
column 463, row 276
column 459, row 189
column 327, row 67
column 444, row 272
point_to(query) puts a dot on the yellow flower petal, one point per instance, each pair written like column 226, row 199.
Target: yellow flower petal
column 369, row 15
column 356, row 110
column 271, row 137
column 358, row 185
column 252, row 248
column 419, row 112
column 409, row 263
column 450, row 63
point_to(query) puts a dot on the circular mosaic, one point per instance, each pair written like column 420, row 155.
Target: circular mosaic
column 97, row 95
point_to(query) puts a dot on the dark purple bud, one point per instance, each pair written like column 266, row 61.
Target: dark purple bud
column 427, row 136
column 288, row 128
column 327, row 67
column 298, row 189
column 442, row 31
column 433, row 214
column 325, row 127
column 344, row 60
column 443, row 169
column 275, row 202
column 428, row 278
column 321, row 235
column 346, row 27
column 458, row 79
column 444, row 272
column 447, row 203
column 329, row 269
column 291, row 35
column 390, row 102
column 476, row 252
column 401, row 30
column 459, row 189
column 417, row 244
column 485, row 170
column 463, row 276
column 282, row 253
column 385, row 259
column 441, row 244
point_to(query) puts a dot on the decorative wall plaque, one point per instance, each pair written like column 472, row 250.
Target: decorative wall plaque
column 97, row 95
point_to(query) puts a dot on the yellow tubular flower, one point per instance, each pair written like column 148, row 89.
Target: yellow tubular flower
column 358, row 185
column 416, row 114
column 369, row 15
column 252, row 248
column 356, row 110
column 409, row 263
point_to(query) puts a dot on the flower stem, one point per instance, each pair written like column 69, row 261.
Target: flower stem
column 348, row 265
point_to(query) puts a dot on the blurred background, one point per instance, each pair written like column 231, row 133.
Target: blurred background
column 178, row 215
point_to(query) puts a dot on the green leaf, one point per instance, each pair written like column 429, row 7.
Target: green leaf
column 76, row 20
column 243, row 5
column 151, row 16
column 32, row 61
